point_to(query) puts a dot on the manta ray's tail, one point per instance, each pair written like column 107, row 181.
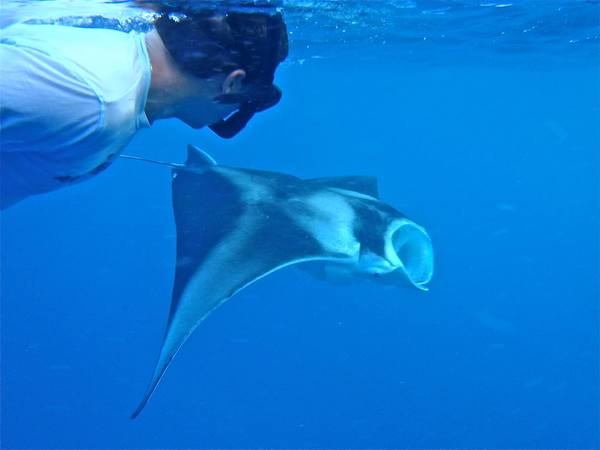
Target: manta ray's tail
column 153, row 161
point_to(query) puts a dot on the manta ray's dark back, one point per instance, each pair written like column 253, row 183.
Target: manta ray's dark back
column 235, row 226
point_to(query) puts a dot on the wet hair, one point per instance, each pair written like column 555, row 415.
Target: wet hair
column 206, row 43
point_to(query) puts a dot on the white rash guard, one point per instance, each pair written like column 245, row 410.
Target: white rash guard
column 70, row 100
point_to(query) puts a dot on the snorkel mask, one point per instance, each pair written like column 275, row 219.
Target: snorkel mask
column 254, row 101
column 255, row 42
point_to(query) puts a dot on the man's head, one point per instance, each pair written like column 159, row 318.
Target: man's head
column 218, row 65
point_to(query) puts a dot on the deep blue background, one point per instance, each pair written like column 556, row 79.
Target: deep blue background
column 500, row 165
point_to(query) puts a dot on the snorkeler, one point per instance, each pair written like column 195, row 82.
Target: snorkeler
column 72, row 98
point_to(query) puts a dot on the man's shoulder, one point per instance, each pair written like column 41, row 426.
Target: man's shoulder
column 52, row 32
column 47, row 37
column 110, row 61
column 66, row 85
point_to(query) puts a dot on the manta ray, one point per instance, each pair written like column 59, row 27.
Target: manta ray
column 235, row 226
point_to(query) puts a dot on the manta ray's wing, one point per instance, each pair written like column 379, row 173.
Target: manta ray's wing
column 224, row 243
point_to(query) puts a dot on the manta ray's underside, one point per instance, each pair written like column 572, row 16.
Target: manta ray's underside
column 235, row 226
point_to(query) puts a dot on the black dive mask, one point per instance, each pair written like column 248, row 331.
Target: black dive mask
column 251, row 101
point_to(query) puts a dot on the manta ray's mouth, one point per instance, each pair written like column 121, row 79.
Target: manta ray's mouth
column 412, row 250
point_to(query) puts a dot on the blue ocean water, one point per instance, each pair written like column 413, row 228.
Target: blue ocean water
column 490, row 142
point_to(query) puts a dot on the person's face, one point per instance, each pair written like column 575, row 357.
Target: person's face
column 196, row 106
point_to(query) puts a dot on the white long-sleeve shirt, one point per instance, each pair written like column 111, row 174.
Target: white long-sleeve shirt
column 70, row 100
